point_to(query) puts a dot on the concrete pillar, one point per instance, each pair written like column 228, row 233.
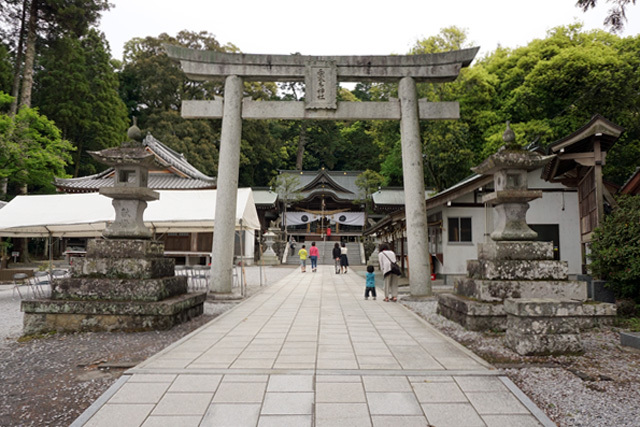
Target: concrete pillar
column 227, row 185
column 414, row 199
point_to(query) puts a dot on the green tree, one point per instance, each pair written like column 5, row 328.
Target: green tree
column 615, row 249
column 78, row 89
column 46, row 19
column 287, row 186
column 448, row 145
column 153, row 87
column 32, row 150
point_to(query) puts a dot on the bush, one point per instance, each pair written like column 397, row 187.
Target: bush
column 615, row 250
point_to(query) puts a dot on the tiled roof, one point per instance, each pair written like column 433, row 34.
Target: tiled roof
column 264, row 196
column 341, row 184
column 179, row 174
column 171, row 158
column 388, row 196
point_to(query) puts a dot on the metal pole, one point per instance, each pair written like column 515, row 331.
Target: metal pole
column 242, row 281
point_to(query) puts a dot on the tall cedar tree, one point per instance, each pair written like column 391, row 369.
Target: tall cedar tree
column 78, row 89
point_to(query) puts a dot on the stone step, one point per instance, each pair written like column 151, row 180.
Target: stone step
column 498, row 290
column 326, row 257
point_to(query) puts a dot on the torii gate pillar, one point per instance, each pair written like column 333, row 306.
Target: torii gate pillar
column 227, row 187
column 321, row 75
column 414, row 196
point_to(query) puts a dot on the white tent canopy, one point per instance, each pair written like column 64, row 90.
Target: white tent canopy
column 86, row 215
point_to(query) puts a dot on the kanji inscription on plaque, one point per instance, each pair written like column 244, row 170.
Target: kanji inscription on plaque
column 321, row 79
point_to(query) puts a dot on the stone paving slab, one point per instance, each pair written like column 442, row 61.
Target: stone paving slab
column 309, row 350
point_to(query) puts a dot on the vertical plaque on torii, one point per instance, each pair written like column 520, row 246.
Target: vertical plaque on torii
column 321, row 81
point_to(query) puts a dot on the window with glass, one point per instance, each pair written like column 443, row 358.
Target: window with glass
column 459, row 229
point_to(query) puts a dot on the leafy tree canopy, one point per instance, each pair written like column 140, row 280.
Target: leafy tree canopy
column 615, row 250
column 32, row 151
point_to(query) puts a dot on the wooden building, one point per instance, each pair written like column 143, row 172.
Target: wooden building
column 579, row 159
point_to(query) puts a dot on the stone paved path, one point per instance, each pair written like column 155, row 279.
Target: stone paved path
column 310, row 351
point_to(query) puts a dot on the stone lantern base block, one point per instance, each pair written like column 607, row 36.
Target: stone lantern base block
column 42, row 316
column 121, row 285
column 498, row 290
column 269, row 259
column 517, row 269
column 478, row 315
column 473, row 315
column 527, row 250
column 124, row 248
column 89, row 288
column 543, row 326
column 124, row 259
column 123, row 268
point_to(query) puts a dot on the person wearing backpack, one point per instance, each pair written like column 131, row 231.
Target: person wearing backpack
column 336, row 257
column 387, row 259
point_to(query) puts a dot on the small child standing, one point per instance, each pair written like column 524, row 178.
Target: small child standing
column 371, row 283
column 302, row 253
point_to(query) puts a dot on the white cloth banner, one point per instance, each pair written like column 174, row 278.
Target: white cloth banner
column 298, row 218
column 348, row 218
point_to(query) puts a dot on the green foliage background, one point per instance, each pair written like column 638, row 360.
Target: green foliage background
column 615, row 251
column 546, row 89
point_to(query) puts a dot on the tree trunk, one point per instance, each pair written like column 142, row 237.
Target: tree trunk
column 4, row 184
column 15, row 90
column 302, row 141
column 76, row 167
column 30, row 55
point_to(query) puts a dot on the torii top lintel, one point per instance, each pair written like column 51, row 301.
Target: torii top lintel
column 212, row 65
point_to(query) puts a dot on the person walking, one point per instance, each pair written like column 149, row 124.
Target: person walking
column 344, row 259
column 313, row 254
column 292, row 245
column 335, row 253
column 386, row 257
column 370, row 287
column 302, row 253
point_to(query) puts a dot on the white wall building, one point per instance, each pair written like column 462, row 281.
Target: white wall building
column 459, row 220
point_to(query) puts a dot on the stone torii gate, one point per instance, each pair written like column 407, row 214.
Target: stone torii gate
column 321, row 75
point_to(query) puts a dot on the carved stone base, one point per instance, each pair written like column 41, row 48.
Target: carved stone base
column 517, row 269
column 88, row 288
column 543, row 326
column 121, row 285
column 41, row 316
column 498, row 290
column 269, row 259
column 473, row 315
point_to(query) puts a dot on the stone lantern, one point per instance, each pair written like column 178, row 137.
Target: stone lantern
column 130, row 193
column 516, row 285
column 269, row 256
column 509, row 167
column 125, row 283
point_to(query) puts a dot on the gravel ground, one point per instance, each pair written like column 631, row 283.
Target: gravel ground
column 599, row 388
column 49, row 381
